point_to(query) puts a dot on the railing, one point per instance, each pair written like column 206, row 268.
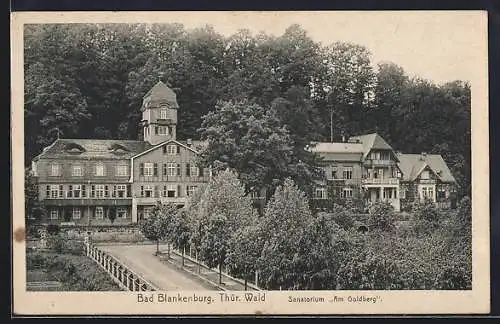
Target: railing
column 123, row 276
column 251, row 285
column 379, row 162
column 381, row 181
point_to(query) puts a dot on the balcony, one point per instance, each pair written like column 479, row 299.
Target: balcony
column 89, row 202
column 372, row 162
column 164, row 200
column 380, row 181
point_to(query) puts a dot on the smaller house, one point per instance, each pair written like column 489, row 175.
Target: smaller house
column 426, row 176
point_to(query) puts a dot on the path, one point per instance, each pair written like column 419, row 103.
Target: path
column 141, row 259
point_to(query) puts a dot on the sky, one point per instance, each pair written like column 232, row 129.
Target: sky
column 440, row 46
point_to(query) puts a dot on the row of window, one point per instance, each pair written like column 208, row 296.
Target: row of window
column 150, row 169
column 159, row 130
column 99, row 170
column 90, row 191
column 320, row 193
column 115, row 191
column 346, row 173
column 171, row 191
column 76, row 213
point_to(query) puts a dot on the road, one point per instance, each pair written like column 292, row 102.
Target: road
column 141, row 259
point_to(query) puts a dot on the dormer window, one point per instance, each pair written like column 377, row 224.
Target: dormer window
column 118, row 149
column 74, row 148
column 163, row 113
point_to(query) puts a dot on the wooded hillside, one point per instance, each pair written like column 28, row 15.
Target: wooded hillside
column 87, row 81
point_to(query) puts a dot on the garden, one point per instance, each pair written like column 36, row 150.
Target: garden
column 292, row 247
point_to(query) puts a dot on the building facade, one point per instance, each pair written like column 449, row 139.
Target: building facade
column 367, row 169
column 99, row 182
column 83, row 181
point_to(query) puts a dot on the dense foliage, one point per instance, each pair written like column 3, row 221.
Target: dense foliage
column 87, row 81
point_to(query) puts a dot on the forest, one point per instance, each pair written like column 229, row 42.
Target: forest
column 88, row 80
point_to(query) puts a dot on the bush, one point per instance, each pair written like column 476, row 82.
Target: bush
column 56, row 242
column 381, row 216
column 53, row 229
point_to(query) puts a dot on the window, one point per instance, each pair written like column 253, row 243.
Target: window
column 147, row 212
column 162, row 130
column 55, row 170
column 121, row 170
column 77, row 191
column 171, row 191
column 190, row 190
column 424, row 174
column 99, row 170
column 54, row 214
column 99, row 191
column 375, row 155
column 99, row 213
column 148, row 169
column 385, row 155
column 194, row 171
column 334, row 173
column 163, row 114
column 77, row 213
column 347, row 173
column 77, row 171
column 320, row 193
column 171, row 168
column 171, row 149
column 402, row 193
column 121, row 191
column 147, row 191
column 54, row 191
column 427, row 193
column 347, row 193
column 441, row 194
column 121, row 212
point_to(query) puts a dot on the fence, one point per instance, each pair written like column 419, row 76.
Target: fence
column 123, row 276
column 188, row 255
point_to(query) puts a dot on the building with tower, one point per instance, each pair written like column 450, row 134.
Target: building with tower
column 104, row 182
column 99, row 182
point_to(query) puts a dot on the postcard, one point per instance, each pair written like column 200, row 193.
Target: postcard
column 250, row 163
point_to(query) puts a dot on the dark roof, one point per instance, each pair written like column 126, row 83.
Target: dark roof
column 412, row 165
column 371, row 141
column 161, row 91
column 93, row 149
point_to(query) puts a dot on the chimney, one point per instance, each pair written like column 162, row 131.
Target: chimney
column 422, row 156
column 343, row 138
column 189, row 142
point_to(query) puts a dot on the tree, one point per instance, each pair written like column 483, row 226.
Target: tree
column 381, row 216
column 34, row 209
column 181, row 231
column 245, row 137
column 156, row 226
column 222, row 209
column 245, row 248
column 286, row 216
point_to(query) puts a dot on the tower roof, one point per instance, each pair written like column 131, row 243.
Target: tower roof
column 160, row 91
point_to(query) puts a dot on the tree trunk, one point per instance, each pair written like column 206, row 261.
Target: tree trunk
column 220, row 273
column 246, row 283
column 197, row 262
column 182, row 262
column 168, row 250
column 157, row 247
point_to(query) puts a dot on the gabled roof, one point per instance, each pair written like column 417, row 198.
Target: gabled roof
column 327, row 147
column 93, row 149
column 160, row 91
column 370, row 142
column 152, row 148
column 412, row 165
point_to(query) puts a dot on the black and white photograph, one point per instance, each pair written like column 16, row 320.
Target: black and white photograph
column 236, row 155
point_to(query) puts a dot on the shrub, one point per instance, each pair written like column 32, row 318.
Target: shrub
column 53, row 229
column 56, row 242
column 381, row 216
